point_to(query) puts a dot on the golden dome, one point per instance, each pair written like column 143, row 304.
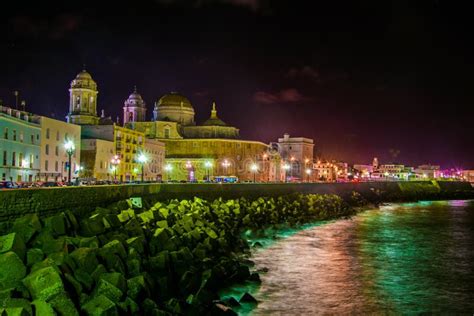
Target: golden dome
column 174, row 99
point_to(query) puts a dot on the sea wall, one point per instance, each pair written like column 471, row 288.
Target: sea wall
column 50, row 201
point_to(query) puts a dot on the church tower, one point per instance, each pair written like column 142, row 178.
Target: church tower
column 134, row 109
column 83, row 100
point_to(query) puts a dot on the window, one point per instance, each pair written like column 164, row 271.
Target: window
column 56, row 150
column 14, row 134
column 66, row 137
column 21, row 136
column 4, row 176
column 56, row 166
column 46, row 149
column 101, row 164
column 167, row 133
column 14, row 159
column 4, row 157
column 5, row 133
column 47, row 133
column 37, row 136
column 46, row 165
column 57, row 135
column 31, row 161
column 32, row 138
column 20, row 160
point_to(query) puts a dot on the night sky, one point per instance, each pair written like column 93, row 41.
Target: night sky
column 391, row 79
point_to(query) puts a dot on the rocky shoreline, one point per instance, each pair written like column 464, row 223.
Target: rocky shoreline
column 158, row 259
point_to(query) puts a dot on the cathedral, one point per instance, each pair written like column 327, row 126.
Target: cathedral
column 191, row 151
column 196, row 151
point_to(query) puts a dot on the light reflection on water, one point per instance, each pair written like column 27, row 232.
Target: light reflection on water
column 406, row 258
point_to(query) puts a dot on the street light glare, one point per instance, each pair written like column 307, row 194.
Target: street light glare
column 254, row 167
column 142, row 158
column 69, row 145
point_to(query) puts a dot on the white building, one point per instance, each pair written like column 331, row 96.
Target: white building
column 298, row 153
column 53, row 157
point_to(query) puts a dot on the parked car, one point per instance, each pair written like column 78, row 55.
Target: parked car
column 50, row 184
column 8, row 185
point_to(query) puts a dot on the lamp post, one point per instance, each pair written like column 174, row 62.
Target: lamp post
column 142, row 159
column 292, row 159
column 254, row 168
column 115, row 161
column 226, row 164
column 264, row 167
column 308, row 173
column 168, row 169
column 287, row 167
column 208, row 166
column 24, row 163
column 70, row 148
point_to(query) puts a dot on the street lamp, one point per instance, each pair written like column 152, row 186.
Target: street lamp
column 70, row 148
column 226, row 164
column 115, row 161
column 208, row 166
column 287, row 167
column 168, row 169
column 254, row 168
column 142, row 159
column 308, row 172
column 292, row 159
column 24, row 163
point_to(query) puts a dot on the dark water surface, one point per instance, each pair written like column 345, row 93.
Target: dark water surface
column 399, row 259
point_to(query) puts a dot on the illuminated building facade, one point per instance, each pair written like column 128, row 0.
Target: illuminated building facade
column 96, row 156
column 154, row 152
column 298, row 153
column 54, row 159
column 128, row 145
column 19, row 145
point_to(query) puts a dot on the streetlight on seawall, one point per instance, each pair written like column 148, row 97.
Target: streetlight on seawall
column 286, row 167
column 226, row 165
column 308, row 172
column 70, row 148
column 208, row 166
column 168, row 169
column 115, row 161
column 142, row 159
column 254, row 168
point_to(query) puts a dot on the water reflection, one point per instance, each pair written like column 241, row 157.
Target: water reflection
column 408, row 258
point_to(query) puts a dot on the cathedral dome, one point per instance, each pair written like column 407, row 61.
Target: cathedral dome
column 175, row 107
column 174, row 99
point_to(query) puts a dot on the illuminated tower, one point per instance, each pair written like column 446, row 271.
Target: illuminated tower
column 134, row 109
column 375, row 163
column 83, row 100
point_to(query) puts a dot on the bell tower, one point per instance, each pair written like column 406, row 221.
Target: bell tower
column 134, row 109
column 83, row 100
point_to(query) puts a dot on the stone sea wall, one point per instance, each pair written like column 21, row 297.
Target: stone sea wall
column 81, row 200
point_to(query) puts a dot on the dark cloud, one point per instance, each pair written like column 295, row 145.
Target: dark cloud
column 290, row 95
column 304, row 72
